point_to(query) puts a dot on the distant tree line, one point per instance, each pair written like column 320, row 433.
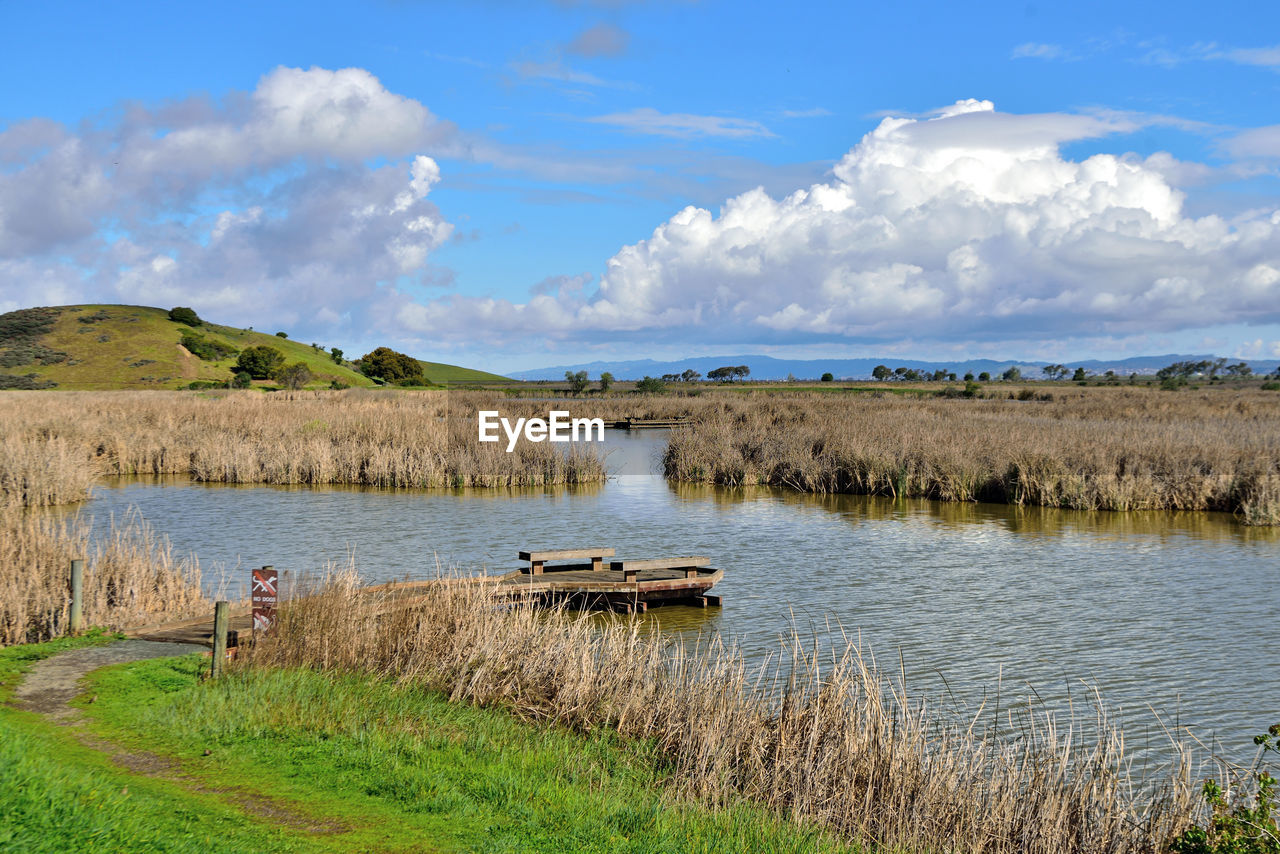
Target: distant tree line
column 729, row 373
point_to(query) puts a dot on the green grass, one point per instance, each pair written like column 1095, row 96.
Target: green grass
column 136, row 347
column 57, row 795
column 399, row 766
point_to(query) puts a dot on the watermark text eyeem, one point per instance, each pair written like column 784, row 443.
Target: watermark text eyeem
column 557, row 427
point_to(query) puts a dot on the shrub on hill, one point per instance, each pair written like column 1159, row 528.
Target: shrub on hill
column 182, row 314
column 211, row 350
column 650, row 385
column 26, row 382
column 388, row 365
column 259, row 362
column 19, row 331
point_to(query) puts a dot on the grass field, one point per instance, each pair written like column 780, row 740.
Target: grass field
column 138, row 347
column 399, row 768
column 56, row 795
column 295, row 760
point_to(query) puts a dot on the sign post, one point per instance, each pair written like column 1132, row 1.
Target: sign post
column 264, row 596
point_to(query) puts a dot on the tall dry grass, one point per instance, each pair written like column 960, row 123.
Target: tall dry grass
column 131, row 576
column 56, row 443
column 37, row 470
column 1109, row 449
column 1097, row 449
column 823, row 738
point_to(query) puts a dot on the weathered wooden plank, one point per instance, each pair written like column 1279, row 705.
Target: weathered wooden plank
column 564, row 554
column 659, row 563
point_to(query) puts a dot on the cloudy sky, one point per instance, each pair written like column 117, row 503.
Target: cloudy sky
column 508, row 185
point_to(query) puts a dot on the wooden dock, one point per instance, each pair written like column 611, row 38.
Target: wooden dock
column 650, row 423
column 577, row 578
column 585, row 581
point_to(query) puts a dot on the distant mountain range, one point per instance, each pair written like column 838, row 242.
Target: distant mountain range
column 769, row 368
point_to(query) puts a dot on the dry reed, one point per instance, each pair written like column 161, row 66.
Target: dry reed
column 822, row 738
column 131, row 576
column 56, row 443
column 1112, row 449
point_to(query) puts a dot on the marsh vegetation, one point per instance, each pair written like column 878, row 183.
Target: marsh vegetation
column 1095, row 449
column 816, row 736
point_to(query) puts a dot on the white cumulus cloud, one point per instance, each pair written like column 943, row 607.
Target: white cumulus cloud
column 970, row 224
column 304, row 199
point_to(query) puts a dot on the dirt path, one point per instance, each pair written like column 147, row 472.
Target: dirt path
column 54, row 682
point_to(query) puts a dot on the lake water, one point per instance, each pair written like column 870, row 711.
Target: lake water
column 1174, row 613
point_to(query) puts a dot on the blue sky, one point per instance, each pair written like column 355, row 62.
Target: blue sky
column 513, row 184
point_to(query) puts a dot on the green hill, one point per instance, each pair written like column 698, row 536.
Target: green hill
column 134, row 347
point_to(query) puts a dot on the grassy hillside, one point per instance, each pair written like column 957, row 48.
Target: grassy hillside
column 136, row 347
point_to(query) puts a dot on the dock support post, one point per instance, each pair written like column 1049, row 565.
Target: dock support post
column 219, row 639
column 77, row 596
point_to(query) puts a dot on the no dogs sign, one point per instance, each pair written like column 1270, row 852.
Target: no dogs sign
column 264, row 597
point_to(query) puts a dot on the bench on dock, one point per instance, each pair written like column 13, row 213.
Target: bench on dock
column 630, row 569
column 538, row 559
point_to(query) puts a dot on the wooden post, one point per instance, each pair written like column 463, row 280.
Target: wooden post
column 219, row 638
column 77, row 596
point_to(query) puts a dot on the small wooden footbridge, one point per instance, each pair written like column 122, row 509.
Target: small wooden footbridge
column 650, row 423
column 580, row 578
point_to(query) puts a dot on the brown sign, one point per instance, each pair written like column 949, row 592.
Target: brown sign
column 266, row 583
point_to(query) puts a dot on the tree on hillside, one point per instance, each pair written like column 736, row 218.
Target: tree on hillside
column 259, row 362
column 881, row 372
column 182, row 314
column 336, row 355
column 577, row 380
column 391, row 366
column 294, row 376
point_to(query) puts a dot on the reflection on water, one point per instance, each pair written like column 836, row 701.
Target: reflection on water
column 1163, row 609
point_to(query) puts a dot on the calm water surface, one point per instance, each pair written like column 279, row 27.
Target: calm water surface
column 1171, row 613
